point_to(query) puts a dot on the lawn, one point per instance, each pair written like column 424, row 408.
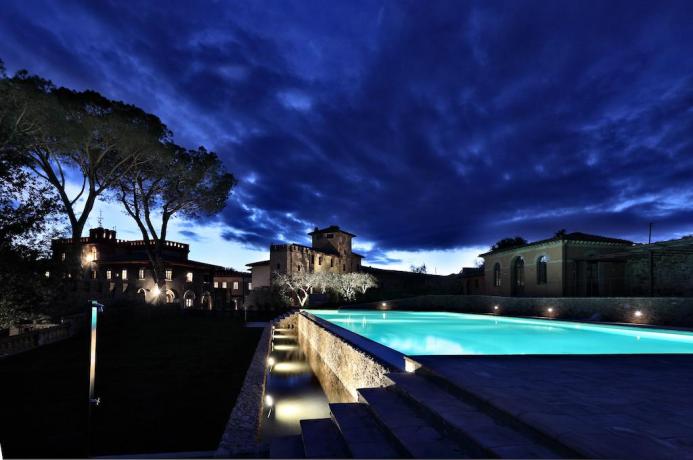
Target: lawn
column 167, row 382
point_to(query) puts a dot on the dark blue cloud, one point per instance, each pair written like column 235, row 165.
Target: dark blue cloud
column 416, row 125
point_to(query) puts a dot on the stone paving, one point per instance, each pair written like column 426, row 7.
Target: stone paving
column 601, row 406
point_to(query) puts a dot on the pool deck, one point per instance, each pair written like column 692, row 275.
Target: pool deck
column 617, row 406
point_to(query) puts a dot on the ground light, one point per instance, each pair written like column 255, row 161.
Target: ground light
column 637, row 314
column 269, row 402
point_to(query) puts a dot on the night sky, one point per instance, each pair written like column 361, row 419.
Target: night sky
column 430, row 129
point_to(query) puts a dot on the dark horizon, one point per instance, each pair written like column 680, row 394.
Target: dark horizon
column 419, row 127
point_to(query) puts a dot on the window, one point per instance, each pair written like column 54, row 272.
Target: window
column 189, row 277
column 93, row 274
column 542, row 269
column 279, row 266
column 48, row 274
column 343, row 267
column 298, row 267
column 235, row 285
column 93, row 254
column 140, row 274
column 250, row 286
column 108, row 274
column 224, row 284
column 330, row 235
column 189, row 302
column 216, row 284
column 169, row 274
column 320, row 260
column 124, row 274
column 331, row 262
column 62, row 257
column 497, row 275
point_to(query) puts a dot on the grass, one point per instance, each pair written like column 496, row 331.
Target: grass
column 167, row 382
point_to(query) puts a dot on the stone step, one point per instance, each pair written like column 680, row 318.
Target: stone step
column 493, row 436
column 364, row 437
column 411, row 429
column 287, row 447
column 322, row 439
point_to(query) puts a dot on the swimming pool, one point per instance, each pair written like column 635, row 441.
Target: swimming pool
column 443, row 333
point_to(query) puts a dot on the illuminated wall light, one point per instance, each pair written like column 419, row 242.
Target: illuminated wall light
column 495, row 307
column 637, row 314
column 550, row 310
column 269, row 401
column 384, row 304
column 411, row 366
column 270, row 361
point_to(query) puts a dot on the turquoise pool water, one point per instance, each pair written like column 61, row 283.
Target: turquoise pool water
column 442, row 333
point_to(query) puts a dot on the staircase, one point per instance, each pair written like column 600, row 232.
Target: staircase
column 417, row 416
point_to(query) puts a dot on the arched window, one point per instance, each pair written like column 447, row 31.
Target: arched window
column 519, row 269
column 497, row 275
column 189, row 299
column 541, row 269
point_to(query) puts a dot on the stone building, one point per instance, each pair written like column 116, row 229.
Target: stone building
column 330, row 251
column 582, row 265
column 114, row 269
column 572, row 264
column 231, row 287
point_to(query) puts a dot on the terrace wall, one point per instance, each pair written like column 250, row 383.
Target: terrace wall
column 665, row 311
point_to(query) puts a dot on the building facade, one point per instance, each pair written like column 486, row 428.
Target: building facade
column 330, row 251
column 112, row 269
column 572, row 264
column 231, row 287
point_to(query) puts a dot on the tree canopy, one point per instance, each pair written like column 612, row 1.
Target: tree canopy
column 508, row 243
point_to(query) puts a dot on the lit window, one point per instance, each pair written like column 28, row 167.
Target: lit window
column 124, row 274
column 542, row 270
column 169, row 274
column 235, row 284
column 216, row 284
column 62, row 257
column 93, row 274
column 140, row 275
column 189, row 277
column 108, row 274
column 497, row 275
column 188, row 302
column 48, row 274
column 93, row 254
column 223, row 284
column 250, row 286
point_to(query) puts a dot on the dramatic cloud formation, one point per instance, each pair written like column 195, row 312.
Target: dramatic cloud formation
column 419, row 126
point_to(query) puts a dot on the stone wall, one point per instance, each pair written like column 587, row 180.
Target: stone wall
column 665, row 311
column 44, row 335
column 672, row 274
column 353, row 367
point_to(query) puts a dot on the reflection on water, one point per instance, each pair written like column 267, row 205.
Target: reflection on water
column 294, row 391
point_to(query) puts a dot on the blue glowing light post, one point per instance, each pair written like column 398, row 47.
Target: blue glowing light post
column 95, row 309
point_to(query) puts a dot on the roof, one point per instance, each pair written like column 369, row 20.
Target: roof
column 574, row 236
column 358, row 255
column 125, row 259
column 257, row 264
column 328, row 251
column 330, row 229
column 231, row 272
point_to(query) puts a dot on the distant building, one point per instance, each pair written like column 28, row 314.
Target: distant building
column 473, row 280
column 584, row 265
column 330, row 251
column 231, row 287
column 114, row 269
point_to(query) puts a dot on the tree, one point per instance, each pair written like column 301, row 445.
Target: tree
column 365, row 281
column 419, row 269
column 561, row 233
column 508, row 243
column 190, row 183
column 64, row 131
column 298, row 285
